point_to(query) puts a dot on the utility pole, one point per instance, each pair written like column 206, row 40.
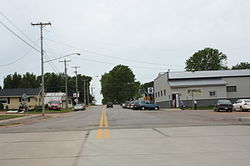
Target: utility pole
column 66, row 81
column 76, row 67
column 42, row 25
column 88, row 93
column 84, row 92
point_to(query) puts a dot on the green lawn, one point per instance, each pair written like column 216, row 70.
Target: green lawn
column 3, row 117
column 49, row 111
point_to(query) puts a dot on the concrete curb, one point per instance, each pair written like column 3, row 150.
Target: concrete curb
column 20, row 119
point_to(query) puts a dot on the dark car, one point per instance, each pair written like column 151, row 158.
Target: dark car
column 131, row 104
column 225, row 105
column 109, row 105
column 144, row 105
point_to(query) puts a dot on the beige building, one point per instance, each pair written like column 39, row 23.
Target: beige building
column 204, row 87
column 12, row 98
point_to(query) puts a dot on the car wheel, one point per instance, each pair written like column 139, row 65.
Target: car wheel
column 142, row 108
column 218, row 110
column 156, row 108
column 241, row 109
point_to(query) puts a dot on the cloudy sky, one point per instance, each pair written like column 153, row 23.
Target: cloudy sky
column 150, row 36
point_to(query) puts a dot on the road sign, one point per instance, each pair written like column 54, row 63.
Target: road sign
column 76, row 94
column 25, row 97
column 150, row 90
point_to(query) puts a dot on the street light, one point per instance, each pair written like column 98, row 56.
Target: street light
column 61, row 57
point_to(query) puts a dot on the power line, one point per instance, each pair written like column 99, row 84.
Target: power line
column 91, row 60
column 3, row 15
column 18, row 59
column 109, row 56
column 15, row 34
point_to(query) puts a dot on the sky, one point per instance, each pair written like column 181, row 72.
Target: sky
column 149, row 36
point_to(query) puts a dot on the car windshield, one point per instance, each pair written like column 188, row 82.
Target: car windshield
column 224, row 102
column 247, row 100
column 55, row 102
column 79, row 105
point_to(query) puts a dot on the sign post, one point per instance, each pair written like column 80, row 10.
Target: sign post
column 24, row 103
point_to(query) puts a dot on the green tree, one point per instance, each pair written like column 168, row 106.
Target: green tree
column 206, row 59
column 28, row 80
column 53, row 83
column 241, row 65
column 81, row 80
column 119, row 85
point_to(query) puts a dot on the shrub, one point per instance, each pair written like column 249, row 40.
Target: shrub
column 1, row 106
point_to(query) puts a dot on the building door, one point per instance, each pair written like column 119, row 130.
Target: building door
column 175, row 100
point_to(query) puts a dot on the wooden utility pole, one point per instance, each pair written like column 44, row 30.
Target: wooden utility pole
column 42, row 25
column 66, row 82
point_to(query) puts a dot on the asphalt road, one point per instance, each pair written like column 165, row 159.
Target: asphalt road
column 116, row 136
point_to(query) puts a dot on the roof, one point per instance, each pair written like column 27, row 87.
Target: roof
column 196, row 82
column 18, row 92
column 208, row 74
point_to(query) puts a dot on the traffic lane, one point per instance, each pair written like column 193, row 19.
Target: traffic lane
column 127, row 118
column 200, row 145
column 73, row 121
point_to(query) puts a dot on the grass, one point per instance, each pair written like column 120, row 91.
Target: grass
column 49, row 111
column 3, row 117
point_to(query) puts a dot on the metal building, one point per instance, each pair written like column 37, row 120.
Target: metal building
column 204, row 87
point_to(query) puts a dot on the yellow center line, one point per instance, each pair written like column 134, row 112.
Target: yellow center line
column 103, row 132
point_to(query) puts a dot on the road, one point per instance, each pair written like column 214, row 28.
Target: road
column 116, row 136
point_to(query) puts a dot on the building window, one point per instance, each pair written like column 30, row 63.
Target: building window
column 165, row 92
column 155, row 94
column 212, row 93
column 158, row 94
column 231, row 89
column 3, row 101
column 29, row 99
column 20, row 99
column 161, row 92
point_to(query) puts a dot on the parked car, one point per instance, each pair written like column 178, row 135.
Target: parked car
column 109, row 105
column 242, row 105
column 144, row 105
column 225, row 105
column 126, row 104
column 131, row 104
column 79, row 107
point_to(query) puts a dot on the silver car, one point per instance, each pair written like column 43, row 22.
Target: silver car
column 79, row 107
column 242, row 105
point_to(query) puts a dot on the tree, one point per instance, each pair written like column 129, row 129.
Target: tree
column 119, row 85
column 241, row 65
column 53, row 83
column 28, row 80
column 206, row 59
